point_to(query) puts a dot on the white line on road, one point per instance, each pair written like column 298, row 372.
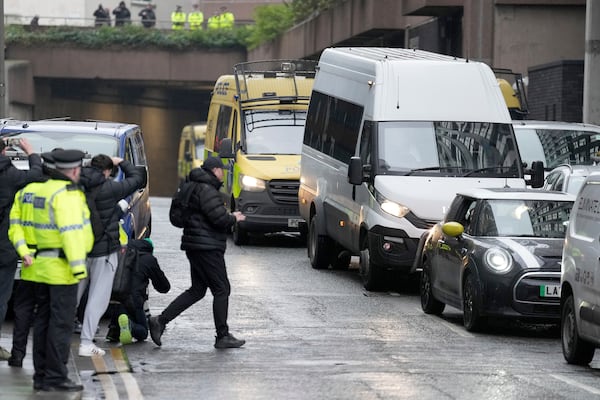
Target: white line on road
column 459, row 331
column 572, row 382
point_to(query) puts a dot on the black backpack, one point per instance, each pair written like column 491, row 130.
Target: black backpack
column 180, row 210
column 128, row 265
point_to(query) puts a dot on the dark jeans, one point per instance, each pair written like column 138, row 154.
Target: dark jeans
column 138, row 323
column 24, row 310
column 207, row 271
column 7, row 278
column 53, row 327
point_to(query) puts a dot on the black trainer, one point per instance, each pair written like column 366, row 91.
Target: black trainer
column 228, row 342
column 15, row 361
column 66, row 386
column 156, row 329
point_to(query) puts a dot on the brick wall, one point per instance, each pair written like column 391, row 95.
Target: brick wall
column 555, row 91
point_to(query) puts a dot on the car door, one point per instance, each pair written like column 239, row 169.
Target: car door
column 453, row 250
column 139, row 202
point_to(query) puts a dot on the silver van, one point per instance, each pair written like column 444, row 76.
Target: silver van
column 580, row 277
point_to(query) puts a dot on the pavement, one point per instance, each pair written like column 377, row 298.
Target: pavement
column 103, row 377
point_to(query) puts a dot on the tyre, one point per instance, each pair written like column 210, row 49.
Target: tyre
column 240, row 236
column 319, row 247
column 341, row 260
column 575, row 349
column 472, row 319
column 429, row 303
column 371, row 274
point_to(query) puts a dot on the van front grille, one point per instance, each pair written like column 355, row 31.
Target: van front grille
column 284, row 192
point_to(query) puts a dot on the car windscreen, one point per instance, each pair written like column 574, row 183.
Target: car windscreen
column 524, row 218
column 557, row 146
column 447, row 149
column 274, row 131
column 90, row 144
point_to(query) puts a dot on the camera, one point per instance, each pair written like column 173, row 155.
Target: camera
column 13, row 142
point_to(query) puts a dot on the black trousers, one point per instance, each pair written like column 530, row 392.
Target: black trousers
column 207, row 271
column 53, row 327
column 24, row 310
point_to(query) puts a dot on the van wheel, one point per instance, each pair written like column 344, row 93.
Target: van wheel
column 472, row 319
column 429, row 303
column 239, row 234
column 575, row 349
column 318, row 246
column 371, row 273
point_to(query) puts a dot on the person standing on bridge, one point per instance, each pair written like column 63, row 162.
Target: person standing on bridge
column 178, row 18
column 148, row 16
column 195, row 18
column 204, row 241
column 122, row 15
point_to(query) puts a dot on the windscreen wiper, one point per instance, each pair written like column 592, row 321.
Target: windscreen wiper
column 500, row 167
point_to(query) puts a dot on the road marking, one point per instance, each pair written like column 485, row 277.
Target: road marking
column 133, row 390
column 108, row 386
column 572, row 382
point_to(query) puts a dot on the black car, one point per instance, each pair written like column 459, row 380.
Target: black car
column 496, row 254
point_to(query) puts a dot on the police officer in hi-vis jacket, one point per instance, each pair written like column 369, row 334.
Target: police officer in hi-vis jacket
column 62, row 236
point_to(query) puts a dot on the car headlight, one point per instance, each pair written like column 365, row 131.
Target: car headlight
column 252, row 184
column 498, row 260
column 391, row 207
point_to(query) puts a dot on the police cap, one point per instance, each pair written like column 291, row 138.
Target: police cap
column 66, row 159
column 48, row 159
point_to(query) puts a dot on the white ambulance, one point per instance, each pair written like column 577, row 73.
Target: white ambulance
column 391, row 136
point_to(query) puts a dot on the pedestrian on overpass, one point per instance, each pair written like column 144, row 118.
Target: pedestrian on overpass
column 178, row 18
column 195, row 18
column 148, row 16
column 204, row 241
column 11, row 180
column 122, row 15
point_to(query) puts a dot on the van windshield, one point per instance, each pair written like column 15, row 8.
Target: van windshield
column 274, row 131
column 89, row 144
column 557, row 146
column 447, row 149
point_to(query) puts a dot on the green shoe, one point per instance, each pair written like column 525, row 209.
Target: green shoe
column 125, row 332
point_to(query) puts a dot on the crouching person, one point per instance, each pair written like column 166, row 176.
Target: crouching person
column 129, row 319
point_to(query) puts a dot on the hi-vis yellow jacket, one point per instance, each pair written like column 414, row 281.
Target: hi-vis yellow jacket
column 20, row 234
column 53, row 217
column 178, row 20
column 195, row 20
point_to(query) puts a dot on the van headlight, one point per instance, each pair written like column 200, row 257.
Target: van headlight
column 498, row 260
column 252, row 184
column 391, row 207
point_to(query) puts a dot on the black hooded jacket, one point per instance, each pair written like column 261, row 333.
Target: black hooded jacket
column 13, row 179
column 209, row 222
column 148, row 271
column 109, row 194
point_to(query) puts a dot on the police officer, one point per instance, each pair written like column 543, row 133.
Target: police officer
column 195, row 18
column 226, row 19
column 63, row 236
column 178, row 19
column 24, row 238
column 11, row 180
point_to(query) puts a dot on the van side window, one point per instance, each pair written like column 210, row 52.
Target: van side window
column 222, row 129
column 332, row 126
column 365, row 143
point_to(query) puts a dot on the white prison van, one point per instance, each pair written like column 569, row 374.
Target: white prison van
column 391, row 136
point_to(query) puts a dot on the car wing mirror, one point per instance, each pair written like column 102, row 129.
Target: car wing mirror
column 355, row 171
column 537, row 174
column 226, row 149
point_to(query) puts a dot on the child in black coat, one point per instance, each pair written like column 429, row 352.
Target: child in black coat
column 129, row 320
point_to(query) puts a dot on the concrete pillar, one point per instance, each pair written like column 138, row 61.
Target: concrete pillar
column 591, row 81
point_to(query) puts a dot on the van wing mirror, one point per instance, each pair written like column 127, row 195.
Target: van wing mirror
column 225, row 149
column 355, row 171
column 537, row 174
